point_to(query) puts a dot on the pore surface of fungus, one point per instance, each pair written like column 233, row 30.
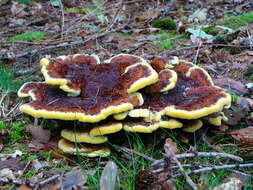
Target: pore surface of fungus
column 83, row 149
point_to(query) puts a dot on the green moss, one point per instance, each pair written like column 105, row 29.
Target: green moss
column 27, row 1
column 76, row 10
column 15, row 131
column 28, row 36
column 249, row 73
column 166, row 24
column 235, row 22
column 8, row 80
column 29, row 174
column 167, row 40
column 167, row 44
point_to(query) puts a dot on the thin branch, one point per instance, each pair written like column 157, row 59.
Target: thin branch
column 65, row 44
column 54, row 177
column 138, row 154
column 171, row 154
column 204, row 138
column 201, row 154
column 62, row 19
column 207, row 169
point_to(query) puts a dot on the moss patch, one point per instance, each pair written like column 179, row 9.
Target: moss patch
column 235, row 22
column 28, row 36
column 165, row 24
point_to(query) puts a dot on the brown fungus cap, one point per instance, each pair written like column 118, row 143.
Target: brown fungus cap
column 83, row 74
column 193, row 96
column 166, row 81
column 48, row 101
column 83, row 149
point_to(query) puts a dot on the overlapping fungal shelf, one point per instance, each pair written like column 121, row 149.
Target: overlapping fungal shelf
column 122, row 93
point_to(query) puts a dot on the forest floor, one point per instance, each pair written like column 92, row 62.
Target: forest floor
column 216, row 35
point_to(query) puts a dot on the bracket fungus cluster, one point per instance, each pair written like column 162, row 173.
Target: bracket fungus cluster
column 124, row 92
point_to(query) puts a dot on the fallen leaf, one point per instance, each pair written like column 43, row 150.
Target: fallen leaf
column 73, row 178
column 13, row 164
column 148, row 15
column 24, row 187
column 195, row 40
column 168, row 185
column 170, row 147
column 39, row 134
column 223, row 127
column 243, row 135
column 198, row 16
column 231, row 183
column 35, row 146
column 52, row 186
column 109, row 176
column 243, row 103
column 39, row 164
column 17, row 153
column 235, row 86
column 18, row 9
column 199, row 33
column 234, row 115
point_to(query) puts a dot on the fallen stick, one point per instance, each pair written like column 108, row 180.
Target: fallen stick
column 65, row 44
column 201, row 154
column 171, row 155
column 207, row 169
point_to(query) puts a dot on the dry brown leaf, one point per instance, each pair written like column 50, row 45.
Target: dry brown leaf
column 235, row 86
column 243, row 135
column 234, row 182
column 170, row 147
column 24, row 187
column 243, row 103
column 195, row 40
column 148, row 15
column 223, row 127
column 51, row 187
column 13, row 164
column 234, row 115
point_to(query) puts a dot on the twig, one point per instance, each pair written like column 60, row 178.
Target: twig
column 207, row 45
column 137, row 153
column 62, row 19
column 208, row 154
column 161, row 162
column 171, row 154
column 61, row 181
column 197, row 54
column 54, row 177
column 216, row 168
column 26, row 71
column 65, row 44
column 164, row 169
column 115, row 16
column 204, row 138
